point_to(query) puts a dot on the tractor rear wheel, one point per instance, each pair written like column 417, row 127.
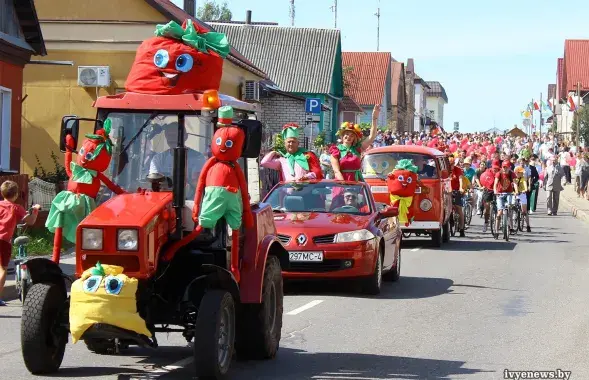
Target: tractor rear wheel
column 260, row 326
column 214, row 335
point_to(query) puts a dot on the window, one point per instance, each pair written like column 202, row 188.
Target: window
column 5, row 103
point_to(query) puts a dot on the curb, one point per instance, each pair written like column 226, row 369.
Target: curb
column 577, row 213
column 10, row 292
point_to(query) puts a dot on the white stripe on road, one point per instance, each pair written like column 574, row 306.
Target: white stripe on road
column 162, row 371
column 415, row 249
column 305, row 307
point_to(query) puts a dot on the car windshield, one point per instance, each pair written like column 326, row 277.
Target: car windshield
column 378, row 165
column 323, row 197
column 144, row 144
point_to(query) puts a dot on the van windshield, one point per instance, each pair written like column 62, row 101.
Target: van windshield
column 379, row 165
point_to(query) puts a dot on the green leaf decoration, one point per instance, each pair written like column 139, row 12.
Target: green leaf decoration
column 98, row 270
column 202, row 42
column 406, row 164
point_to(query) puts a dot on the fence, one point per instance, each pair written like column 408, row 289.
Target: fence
column 22, row 181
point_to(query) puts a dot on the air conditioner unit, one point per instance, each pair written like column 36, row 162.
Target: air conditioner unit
column 94, row 76
column 251, row 90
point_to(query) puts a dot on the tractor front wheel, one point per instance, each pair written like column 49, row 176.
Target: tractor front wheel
column 260, row 326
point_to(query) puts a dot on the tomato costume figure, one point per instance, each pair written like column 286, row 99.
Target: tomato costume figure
column 70, row 207
column 181, row 59
column 402, row 183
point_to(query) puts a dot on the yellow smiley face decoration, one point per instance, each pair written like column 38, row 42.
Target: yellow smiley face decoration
column 104, row 295
column 381, row 164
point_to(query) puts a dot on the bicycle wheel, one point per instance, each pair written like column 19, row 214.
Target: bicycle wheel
column 453, row 224
column 505, row 221
column 492, row 225
column 515, row 217
column 467, row 214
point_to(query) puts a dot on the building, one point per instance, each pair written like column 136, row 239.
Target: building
column 369, row 77
column 410, row 76
column 97, row 33
column 420, row 114
column 20, row 38
column 350, row 110
column 305, row 62
column 398, row 118
column 436, row 99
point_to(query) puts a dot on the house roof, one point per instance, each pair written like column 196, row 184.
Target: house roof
column 29, row 23
column 171, row 11
column 398, row 79
column 419, row 80
column 576, row 56
column 348, row 104
column 367, row 76
column 297, row 59
column 551, row 91
column 559, row 78
column 436, row 89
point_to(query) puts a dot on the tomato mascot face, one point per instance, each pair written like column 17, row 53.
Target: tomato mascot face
column 228, row 143
column 402, row 182
column 95, row 154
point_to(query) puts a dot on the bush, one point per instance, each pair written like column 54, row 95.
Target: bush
column 58, row 175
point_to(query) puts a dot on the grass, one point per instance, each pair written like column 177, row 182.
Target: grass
column 41, row 243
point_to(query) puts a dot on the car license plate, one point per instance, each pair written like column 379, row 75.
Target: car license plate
column 306, row 256
column 379, row 189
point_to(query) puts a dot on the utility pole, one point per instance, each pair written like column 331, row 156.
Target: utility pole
column 377, row 14
column 292, row 12
column 540, row 111
column 334, row 10
column 577, row 111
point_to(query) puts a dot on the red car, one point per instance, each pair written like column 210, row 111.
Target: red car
column 335, row 230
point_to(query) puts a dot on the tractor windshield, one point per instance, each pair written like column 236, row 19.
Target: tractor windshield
column 144, row 145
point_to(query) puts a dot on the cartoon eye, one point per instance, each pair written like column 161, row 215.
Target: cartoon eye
column 385, row 165
column 113, row 285
column 409, row 179
column 92, row 283
column 374, row 165
column 184, row 63
column 82, row 151
column 161, row 58
column 401, row 178
column 88, row 155
column 218, row 141
column 228, row 143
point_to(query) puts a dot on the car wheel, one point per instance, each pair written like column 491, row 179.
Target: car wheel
column 446, row 232
column 395, row 273
column 437, row 238
column 373, row 283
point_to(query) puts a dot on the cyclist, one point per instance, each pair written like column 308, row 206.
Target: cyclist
column 457, row 184
column 504, row 189
column 487, row 179
column 479, row 186
column 522, row 189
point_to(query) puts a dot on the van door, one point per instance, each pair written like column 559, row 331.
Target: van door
column 446, row 187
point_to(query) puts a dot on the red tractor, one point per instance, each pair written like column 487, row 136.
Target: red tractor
column 161, row 143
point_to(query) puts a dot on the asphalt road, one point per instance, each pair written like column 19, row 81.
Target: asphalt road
column 470, row 311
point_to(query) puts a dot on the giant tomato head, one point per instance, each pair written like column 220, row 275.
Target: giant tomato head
column 228, row 143
column 402, row 182
column 169, row 67
column 94, row 154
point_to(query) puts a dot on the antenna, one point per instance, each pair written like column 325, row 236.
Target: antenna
column 292, row 12
column 334, row 10
column 377, row 14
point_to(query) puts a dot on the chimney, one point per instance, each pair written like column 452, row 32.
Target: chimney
column 190, row 7
column 248, row 17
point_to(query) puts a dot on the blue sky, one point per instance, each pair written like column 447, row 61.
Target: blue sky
column 492, row 57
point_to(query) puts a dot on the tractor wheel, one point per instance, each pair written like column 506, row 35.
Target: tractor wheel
column 42, row 338
column 214, row 335
column 260, row 326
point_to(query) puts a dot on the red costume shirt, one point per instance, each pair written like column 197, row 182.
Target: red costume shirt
column 455, row 182
column 505, row 184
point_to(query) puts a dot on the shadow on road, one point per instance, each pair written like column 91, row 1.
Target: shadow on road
column 299, row 365
column 81, row 372
column 405, row 288
column 477, row 245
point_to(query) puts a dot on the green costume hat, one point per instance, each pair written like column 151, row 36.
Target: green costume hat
column 406, row 164
column 291, row 130
column 225, row 115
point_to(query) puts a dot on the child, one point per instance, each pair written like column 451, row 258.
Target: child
column 522, row 188
column 10, row 214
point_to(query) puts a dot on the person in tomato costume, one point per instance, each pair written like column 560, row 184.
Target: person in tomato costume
column 295, row 163
column 402, row 183
column 179, row 60
column 70, row 207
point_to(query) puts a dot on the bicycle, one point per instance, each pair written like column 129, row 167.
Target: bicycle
column 23, row 280
column 467, row 209
column 493, row 217
column 505, row 217
column 517, row 217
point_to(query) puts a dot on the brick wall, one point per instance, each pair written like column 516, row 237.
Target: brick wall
column 278, row 110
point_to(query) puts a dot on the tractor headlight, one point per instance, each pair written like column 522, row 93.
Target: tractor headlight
column 127, row 240
column 352, row 236
column 92, row 239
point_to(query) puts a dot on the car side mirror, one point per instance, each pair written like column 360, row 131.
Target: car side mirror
column 390, row 212
column 70, row 125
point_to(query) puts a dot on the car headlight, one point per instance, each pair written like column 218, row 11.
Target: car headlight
column 359, row 235
column 425, row 205
column 127, row 240
column 92, row 239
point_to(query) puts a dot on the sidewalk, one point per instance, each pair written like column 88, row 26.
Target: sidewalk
column 67, row 264
column 578, row 206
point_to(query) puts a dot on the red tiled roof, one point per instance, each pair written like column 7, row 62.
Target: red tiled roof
column 398, row 78
column 559, row 78
column 348, row 104
column 367, row 77
column 170, row 10
column 576, row 69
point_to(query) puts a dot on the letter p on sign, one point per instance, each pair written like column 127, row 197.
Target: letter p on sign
column 313, row 105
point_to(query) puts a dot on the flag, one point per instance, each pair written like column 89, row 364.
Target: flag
column 551, row 103
column 536, row 106
column 545, row 109
column 572, row 105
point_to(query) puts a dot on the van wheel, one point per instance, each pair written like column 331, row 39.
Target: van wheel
column 446, row 232
column 437, row 238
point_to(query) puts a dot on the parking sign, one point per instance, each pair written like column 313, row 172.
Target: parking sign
column 313, row 105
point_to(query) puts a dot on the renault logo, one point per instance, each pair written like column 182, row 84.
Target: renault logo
column 301, row 239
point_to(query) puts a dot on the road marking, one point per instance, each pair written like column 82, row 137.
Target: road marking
column 305, row 307
column 415, row 249
column 159, row 372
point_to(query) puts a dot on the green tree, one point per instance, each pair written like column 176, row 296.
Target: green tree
column 583, row 116
column 348, row 74
column 211, row 11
